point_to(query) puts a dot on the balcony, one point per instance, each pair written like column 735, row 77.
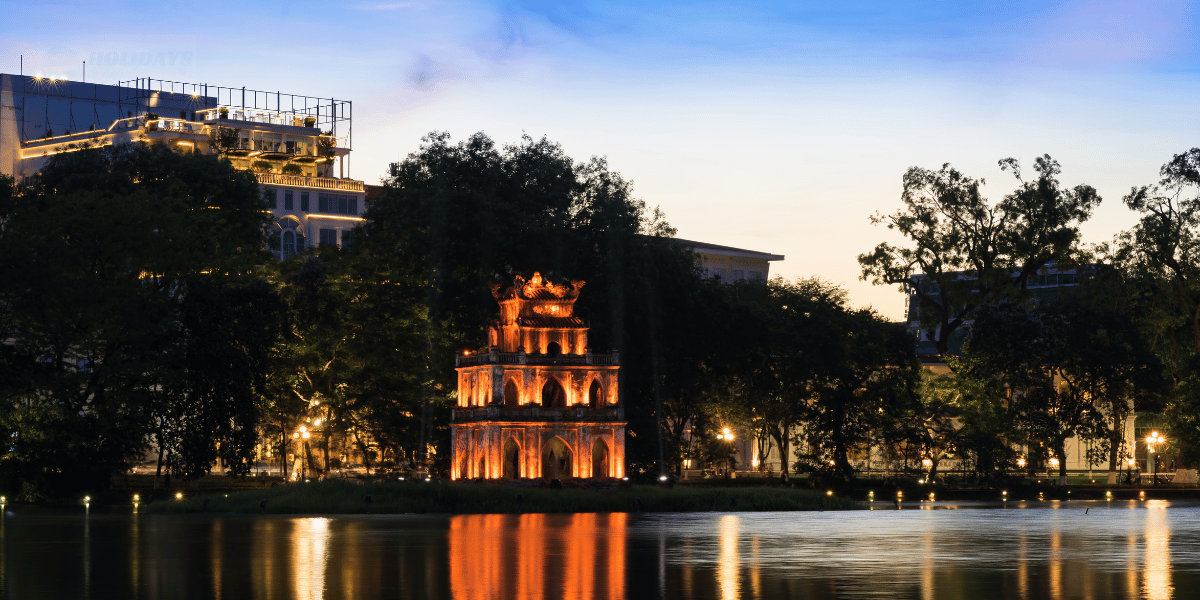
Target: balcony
column 522, row 358
column 324, row 183
column 533, row 412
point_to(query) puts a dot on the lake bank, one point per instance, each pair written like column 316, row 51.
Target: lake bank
column 362, row 497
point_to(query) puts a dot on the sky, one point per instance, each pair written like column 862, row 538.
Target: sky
column 772, row 126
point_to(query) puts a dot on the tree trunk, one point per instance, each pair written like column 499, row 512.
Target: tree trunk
column 328, row 435
column 784, row 452
column 1114, row 446
column 158, row 473
column 1060, row 451
column 283, row 448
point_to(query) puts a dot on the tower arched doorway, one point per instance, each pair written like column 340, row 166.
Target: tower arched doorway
column 511, row 398
column 600, row 460
column 553, row 394
column 512, row 459
column 556, row 460
column 596, row 395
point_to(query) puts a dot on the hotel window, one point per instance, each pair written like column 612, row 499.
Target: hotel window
column 347, row 239
column 335, row 204
column 720, row 274
column 329, row 236
column 738, row 274
column 304, row 201
column 269, row 198
column 287, row 200
column 756, row 275
column 288, row 238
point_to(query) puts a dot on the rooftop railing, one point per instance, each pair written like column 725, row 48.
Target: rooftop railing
column 344, row 185
column 522, row 358
column 534, row 412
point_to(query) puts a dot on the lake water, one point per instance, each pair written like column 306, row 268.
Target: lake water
column 930, row 551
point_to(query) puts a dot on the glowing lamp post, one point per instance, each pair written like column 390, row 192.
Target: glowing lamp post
column 1053, row 464
column 726, row 435
column 303, row 434
column 1151, row 440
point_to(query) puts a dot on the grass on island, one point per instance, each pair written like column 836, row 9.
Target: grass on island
column 349, row 497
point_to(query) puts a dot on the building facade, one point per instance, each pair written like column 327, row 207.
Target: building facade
column 731, row 264
column 298, row 147
column 537, row 403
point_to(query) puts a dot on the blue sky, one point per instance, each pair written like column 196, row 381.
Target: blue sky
column 772, row 126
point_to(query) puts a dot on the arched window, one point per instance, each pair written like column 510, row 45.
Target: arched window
column 511, row 398
column 553, row 394
column 557, row 460
column 600, row 460
column 595, row 395
column 512, row 460
column 288, row 238
column 553, row 349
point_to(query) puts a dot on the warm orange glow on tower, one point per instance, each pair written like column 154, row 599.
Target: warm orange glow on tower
column 537, row 403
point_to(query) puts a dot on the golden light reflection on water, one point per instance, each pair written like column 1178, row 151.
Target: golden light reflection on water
column 729, row 565
column 1156, row 584
column 927, row 583
column 310, row 554
column 537, row 556
column 217, row 568
column 755, row 569
column 1056, row 564
column 1022, row 567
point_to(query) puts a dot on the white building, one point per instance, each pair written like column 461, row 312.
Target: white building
column 297, row 146
column 731, row 264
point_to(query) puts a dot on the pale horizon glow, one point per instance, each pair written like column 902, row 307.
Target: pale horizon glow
column 766, row 126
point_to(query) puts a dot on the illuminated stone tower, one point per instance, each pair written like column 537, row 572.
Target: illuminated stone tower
column 537, row 403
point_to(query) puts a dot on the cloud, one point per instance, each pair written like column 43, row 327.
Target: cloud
column 426, row 73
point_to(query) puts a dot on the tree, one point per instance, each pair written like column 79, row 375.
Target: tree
column 932, row 421
column 796, row 324
column 828, row 368
column 228, row 334
column 1162, row 252
column 1051, row 382
column 96, row 254
column 869, row 370
column 1106, row 361
column 964, row 253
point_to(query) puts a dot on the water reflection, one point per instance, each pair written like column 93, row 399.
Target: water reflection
column 1138, row 549
column 729, row 563
column 1157, row 584
column 537, row 556
column 310, row 552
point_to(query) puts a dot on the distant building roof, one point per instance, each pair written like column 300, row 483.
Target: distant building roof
column 706, row 248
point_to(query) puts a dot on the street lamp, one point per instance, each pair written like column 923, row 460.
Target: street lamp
column 303, row 434
column 1151, row 440
column 1053, row 465
column 726, row 435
